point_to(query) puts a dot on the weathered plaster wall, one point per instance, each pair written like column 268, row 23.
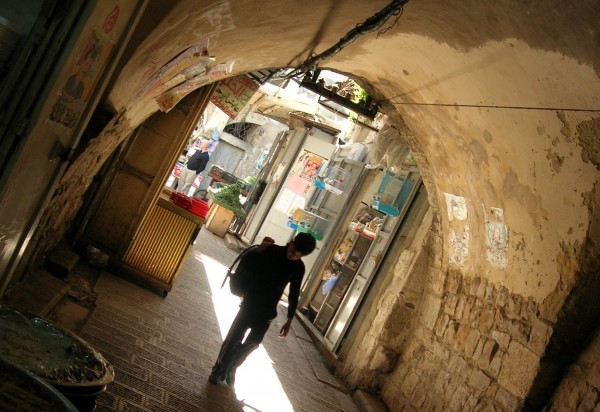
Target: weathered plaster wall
column 476, row 110
column 487, row 138
column 39, row 164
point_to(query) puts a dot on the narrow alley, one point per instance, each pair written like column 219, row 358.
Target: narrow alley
column 162, row 349
column 444, row 155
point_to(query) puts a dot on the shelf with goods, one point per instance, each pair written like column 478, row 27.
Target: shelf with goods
column 342, row 268
column 336, row 180
column 304, row 221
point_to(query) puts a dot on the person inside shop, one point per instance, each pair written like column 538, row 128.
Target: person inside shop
column 272, row 267
column 195, row 165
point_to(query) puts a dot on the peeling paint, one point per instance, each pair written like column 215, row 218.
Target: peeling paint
column 588, row 132
column 460, row 246
column 487, row 136
column 556, row 161
column 566, row 129
column 496, row 237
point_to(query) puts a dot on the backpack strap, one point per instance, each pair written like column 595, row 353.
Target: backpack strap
column 236, row 261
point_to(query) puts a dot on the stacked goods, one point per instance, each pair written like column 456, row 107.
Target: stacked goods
column 181, row 200
column 199, row 207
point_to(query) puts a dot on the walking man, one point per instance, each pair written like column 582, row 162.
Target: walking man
column 195, row 165
column 272, row 268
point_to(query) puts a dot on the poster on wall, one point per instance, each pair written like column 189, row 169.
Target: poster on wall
column 171, row 97
column 192, row 62
column 459, row 230
column 233, row 94
column 84, row 75
column 307, row 166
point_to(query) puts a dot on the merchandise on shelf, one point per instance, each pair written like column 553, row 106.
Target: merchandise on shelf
column 305, row 221
column 336, row 180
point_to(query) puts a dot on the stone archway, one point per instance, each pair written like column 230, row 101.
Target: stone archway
column 501, row 104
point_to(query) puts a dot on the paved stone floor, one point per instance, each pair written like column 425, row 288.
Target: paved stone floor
column 162, row 349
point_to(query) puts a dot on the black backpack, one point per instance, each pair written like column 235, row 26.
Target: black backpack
column 240, row 277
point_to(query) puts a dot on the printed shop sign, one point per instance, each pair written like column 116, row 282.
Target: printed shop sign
column 233, row 94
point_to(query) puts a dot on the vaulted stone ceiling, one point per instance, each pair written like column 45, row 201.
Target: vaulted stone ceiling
column 499, row 102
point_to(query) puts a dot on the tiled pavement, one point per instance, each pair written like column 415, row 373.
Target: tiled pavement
column 162, row 349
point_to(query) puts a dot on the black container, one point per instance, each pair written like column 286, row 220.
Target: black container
column 59, row 357
column 21, row 390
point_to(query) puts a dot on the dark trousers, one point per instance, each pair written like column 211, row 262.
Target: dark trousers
column 235, row 349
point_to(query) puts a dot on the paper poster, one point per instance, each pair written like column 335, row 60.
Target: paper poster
column 288, row 201
column 170, row 98
column 297, row 184
column 457, row 207
column 233, row 94
column 186, row 65
column 459, row 231
column 308, row 165
column 78, row 88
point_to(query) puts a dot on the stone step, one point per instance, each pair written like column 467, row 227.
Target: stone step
column 234, row 243
column 40, row 293
column 61, row 260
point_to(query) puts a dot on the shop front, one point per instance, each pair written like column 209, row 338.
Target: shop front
column 355, row 212
column 341, row 280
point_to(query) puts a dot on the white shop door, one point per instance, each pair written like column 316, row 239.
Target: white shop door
column 296, row 188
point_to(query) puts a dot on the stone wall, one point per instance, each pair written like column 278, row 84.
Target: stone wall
column 441, row 341
column 477, row 347
column 436, row 339
column 580, row 388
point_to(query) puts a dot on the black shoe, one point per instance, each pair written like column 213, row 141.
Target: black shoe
column 214, row 378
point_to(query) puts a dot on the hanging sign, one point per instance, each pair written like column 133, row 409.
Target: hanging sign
column 233, row 94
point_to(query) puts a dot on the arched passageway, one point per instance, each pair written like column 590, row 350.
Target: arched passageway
column 499, row 103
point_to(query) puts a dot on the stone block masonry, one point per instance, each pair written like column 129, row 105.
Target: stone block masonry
column 487, row 345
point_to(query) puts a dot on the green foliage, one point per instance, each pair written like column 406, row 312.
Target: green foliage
column 229, row 197
column 359, row 94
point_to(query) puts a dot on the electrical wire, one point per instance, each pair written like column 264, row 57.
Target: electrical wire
column 369, row 25
column 485, row 106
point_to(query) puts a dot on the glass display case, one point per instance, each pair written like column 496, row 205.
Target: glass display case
column 393, row 192
column 336, row 180
column 307, row 222
column 348, row 256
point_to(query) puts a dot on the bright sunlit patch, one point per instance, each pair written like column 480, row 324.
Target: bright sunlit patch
column 256, row 382
column 226, row 305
